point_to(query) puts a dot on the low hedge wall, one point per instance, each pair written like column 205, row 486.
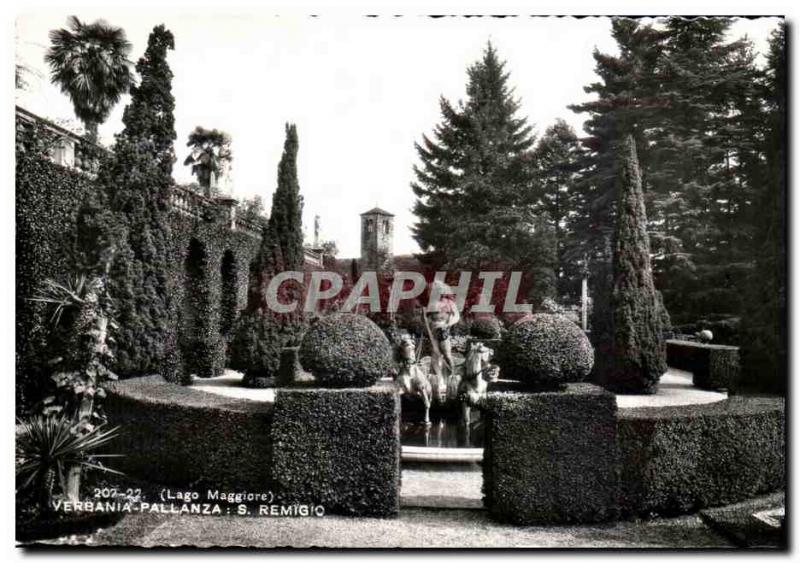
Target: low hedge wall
column 713, row 366
column 680, row 459
column 176, row 435
column 339, row 448
column 550, row 457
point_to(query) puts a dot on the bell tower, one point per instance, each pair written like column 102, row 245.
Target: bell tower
column 377, row 235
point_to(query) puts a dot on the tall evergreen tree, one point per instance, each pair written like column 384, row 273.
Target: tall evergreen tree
column 137, row 179
column 764, row 345
column 558, row 157
column 624, row 105
column 474, row 181
column 691, row 101
column 260, row 333
column 152, row 118
column 638, row 351
column 704, row 138
column 286, row 217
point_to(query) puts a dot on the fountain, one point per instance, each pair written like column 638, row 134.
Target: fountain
column 440, row 421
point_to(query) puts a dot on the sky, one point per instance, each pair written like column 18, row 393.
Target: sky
column 360, row 90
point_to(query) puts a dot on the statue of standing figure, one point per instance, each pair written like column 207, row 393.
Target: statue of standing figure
column 439, row 317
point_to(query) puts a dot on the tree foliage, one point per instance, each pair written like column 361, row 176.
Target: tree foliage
column 286, row 216
column 474, row 181
column 694, row 102
column 557, row 158
column 89, row 62
column 152, row 119
column 638, row 350
column 211, row 149
column 138, row 182
column 764, row 343
column 260, row 333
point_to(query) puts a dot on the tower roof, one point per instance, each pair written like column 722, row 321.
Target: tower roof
column 378, row 211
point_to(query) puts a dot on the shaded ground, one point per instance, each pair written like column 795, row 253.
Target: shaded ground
column 441, row 508
column 415, row 528
column 753, row 523
column 442, row 485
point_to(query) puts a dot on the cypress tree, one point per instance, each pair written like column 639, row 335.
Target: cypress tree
column 638, row 348
column 286, row 218
column 152, row 117
column 137, row 179
column 260, row 333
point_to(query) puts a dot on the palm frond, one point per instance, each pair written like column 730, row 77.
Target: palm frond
column 89, row 63
column 54, row 443
column 61, row 296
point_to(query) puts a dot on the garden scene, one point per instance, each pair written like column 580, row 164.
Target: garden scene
column 587, row 346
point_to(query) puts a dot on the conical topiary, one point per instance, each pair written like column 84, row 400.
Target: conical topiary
column 638, row 350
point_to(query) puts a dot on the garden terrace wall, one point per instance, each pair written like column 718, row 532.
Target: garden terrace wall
column 339, row 448
column 680, row 459
column 713, row 366
column 204, row 343
column 48, row 197
column 550, row 457
column 179, row 436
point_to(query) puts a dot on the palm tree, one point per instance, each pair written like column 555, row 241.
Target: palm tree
column 211, row 150
column 89, row 62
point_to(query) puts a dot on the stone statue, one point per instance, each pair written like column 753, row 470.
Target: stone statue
column 411, row 379
column 473, row 386
column 438, row 319
column 438, row 323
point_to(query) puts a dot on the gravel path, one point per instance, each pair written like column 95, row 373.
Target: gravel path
column 415, row 528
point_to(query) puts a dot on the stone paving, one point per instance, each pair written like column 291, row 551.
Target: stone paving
column 675, row 389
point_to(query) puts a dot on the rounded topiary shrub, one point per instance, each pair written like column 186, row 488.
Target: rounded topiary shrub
column 346, row 350
column 545, row 351
column 488, row 328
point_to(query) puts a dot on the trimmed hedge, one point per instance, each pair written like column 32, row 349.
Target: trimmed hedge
column 489, row 328
column 680, row 459
column 550, row 457
column 345, row 349
column 339, row 448
column 545, row 351
column 175, row 435
column 713, row 366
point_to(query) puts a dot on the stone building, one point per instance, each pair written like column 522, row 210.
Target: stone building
column 377, row 236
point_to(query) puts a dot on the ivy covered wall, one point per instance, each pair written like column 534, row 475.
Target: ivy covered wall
column 48, row 198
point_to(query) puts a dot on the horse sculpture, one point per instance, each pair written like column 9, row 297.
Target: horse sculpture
column 411, row 379
column 473, row 385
